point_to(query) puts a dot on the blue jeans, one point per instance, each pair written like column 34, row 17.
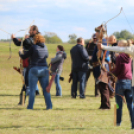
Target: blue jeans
column 28, row 90
column 42, row 74
column 128, row 95
column 133, row 93
column 27, row 86
column 78, row 76
column 58, row 86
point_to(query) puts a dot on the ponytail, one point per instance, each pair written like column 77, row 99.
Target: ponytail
column 129, row 42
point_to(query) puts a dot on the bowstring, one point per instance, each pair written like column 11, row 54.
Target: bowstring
column 10, row 50
column 128, row 22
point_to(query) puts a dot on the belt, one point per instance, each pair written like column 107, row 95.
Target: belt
column 95, row 64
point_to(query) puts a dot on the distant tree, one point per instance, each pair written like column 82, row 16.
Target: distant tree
column 117, row 34
column 124, row 34
column 51, row 37
column 72, row 38
column 5, row 40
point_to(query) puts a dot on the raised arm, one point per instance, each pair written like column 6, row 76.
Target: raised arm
column 16, row 42
column 127, row 50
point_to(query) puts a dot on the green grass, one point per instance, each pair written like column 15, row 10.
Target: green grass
column 69, row 116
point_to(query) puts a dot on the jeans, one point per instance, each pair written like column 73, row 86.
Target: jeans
column 78, row 76
column 25, row 74
column 96, row 85
column 28, row 89
column 42, row 74
column 58, row 86
column 128, row 95
column 133, row 93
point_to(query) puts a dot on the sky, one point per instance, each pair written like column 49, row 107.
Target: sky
column 65, row 17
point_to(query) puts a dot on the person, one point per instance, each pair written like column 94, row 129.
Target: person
column 38, row 69
column 90, row 49
column 103, row 87
column 28, row 42
column 123, row 86
column 128, row 50
column 57, row 65
column 80, row 61
column 113, row 42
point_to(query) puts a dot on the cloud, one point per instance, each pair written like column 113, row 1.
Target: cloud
column 65, row 16
column 2, row 8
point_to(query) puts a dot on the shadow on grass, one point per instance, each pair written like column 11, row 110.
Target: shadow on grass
column 54, row 96
column 8, row 95
column 23, row 108
column 74, row 109
column 36, row 109
column 12, row 108
column 6, row 127
column 54, row 128
column 69, row 96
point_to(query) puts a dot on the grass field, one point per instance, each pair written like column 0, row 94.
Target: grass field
column 69, row 116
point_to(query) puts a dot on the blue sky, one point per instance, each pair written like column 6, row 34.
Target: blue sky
column 64, row 17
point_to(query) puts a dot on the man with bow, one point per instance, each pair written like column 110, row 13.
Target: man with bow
column 99, row 58
column 28, row 42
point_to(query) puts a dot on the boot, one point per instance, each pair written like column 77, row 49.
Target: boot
column 20, row 103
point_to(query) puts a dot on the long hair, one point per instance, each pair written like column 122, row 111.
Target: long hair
column 35, row 28
column 38, row 38
column 61, row 48
column 125, row 43
column 129, row 41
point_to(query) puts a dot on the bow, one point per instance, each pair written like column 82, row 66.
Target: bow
column 115, row 16
column 10, row 41
column 22, row 51
column 103, row 30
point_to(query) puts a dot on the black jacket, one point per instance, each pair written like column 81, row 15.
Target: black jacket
column 38, row 54
column 80, row 58
column 90, row 48
column 27, row 43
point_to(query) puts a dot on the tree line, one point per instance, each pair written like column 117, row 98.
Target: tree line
column 53, row 38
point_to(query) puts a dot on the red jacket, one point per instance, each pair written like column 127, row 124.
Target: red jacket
column 123, row 67
column 26, row 62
